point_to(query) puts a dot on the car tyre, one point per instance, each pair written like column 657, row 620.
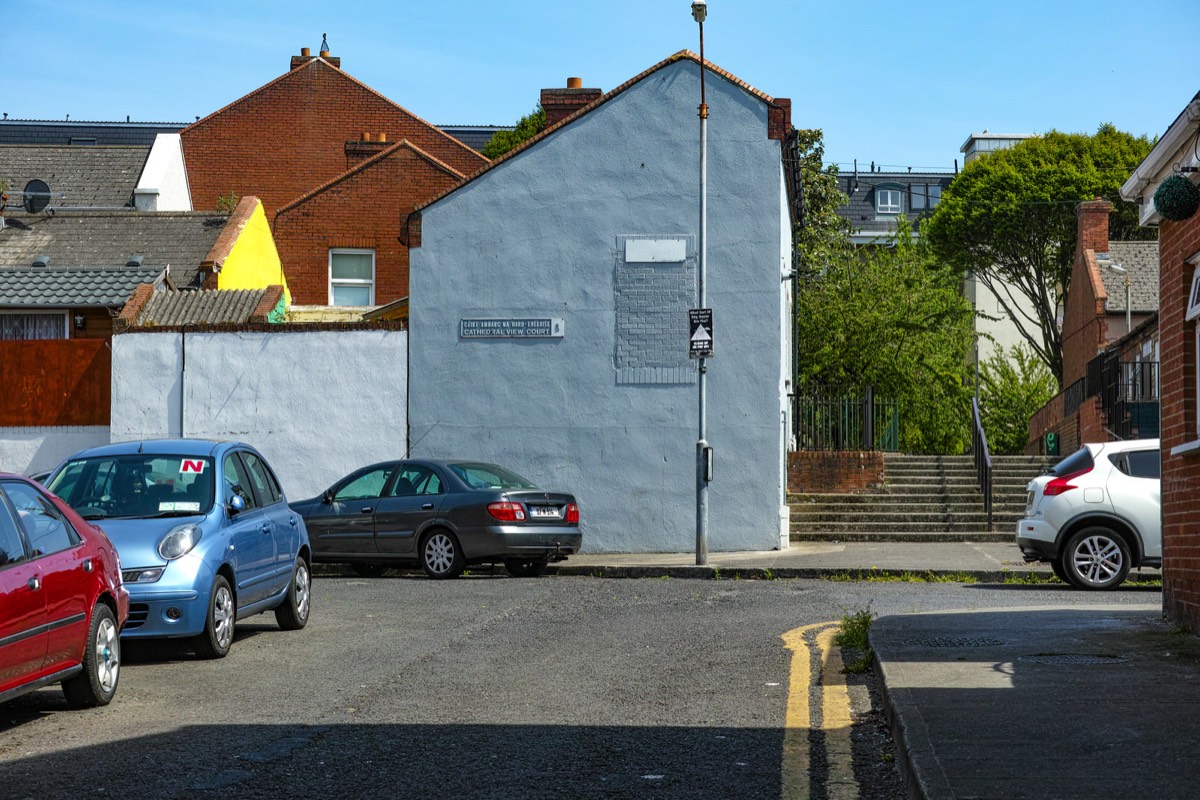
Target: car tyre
column 441, row 555
column 217, row 637
column 1060, row 570
column 1096, row 559
column 97, row 684
column 368, row 570
column 292, row 613
column 525, row 568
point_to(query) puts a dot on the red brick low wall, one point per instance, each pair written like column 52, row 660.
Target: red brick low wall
column 834, row 472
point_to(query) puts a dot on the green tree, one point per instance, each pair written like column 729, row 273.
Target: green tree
column 526, row 128
column 1009, row 220
column 888, row 319
column 1012, row 388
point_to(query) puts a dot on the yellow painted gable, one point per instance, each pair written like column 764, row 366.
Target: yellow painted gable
column 254, row 263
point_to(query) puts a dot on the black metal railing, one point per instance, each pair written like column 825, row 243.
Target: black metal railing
column 983, row 461
column 1131, row 399
column 842, row 418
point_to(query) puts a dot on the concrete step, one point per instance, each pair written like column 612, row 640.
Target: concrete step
column 897, row 527
column 897, row 536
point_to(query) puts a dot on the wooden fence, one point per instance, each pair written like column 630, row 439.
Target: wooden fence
column 52, row 382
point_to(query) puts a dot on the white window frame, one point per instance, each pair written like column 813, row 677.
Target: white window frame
column 63, row 313
column 350, row 282
column 889, row 209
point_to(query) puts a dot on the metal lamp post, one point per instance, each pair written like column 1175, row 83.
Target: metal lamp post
column 703, row 453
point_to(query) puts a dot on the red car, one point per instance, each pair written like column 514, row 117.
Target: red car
column 62, row 603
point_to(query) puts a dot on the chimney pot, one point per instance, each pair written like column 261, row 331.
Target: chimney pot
column 366, row 137
column 305, row 52
column 574, row 83
column 324, row 54
column 382, row 137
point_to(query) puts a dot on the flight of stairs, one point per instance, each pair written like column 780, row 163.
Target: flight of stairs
column 923, row 499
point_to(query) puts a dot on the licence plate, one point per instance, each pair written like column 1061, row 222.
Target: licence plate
column 543, row 512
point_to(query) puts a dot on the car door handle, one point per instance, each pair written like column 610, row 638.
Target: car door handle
column 87, row 565
column 366, row 510
column 266, row 528
column 34, row 584
column 292, row 522
column 426, row 506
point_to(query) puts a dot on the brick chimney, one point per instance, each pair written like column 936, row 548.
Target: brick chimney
column 359, row 150
column 1093, row 225
column 307, row 56
column 562, row 103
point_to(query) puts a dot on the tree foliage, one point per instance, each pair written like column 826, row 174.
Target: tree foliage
column 881, row 317
column 526, row 128
column 1009, row 219
column 1012, row 388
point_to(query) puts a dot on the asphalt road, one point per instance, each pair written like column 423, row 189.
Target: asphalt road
column 486, row 686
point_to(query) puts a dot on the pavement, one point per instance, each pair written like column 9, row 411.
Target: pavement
column 1055, row 702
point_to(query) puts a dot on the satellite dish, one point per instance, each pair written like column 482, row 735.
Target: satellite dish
column 37, row 196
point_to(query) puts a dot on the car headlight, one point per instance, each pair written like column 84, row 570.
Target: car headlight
column 179, row 541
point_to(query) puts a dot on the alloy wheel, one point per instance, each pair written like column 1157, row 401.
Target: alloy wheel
column 439, row 553
column 1098, row 559
column 108, row 655
column 223, row 616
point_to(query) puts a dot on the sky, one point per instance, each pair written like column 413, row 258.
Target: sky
column 897, row 84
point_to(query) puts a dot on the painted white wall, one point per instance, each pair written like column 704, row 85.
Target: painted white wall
column 543, row 236
column 163, row 184
column 995, row 335
column 33, row 449
column 318, row 404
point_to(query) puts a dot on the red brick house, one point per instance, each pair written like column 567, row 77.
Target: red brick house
column 1179, row 336
column 1110, row 342
column 303, row 131
column 343, row 241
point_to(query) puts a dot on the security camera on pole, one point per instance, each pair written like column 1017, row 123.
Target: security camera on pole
column 700, row 319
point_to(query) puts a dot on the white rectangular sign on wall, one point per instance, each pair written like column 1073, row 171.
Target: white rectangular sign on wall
column 551, row 328
column 639, row 251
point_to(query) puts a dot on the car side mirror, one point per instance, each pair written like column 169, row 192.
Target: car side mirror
column 327, row 497
column 236, row 504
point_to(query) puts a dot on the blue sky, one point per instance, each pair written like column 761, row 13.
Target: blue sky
column 901, row 84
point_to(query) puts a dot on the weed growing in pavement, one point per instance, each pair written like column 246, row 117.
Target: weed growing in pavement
column 716, row 573
column 1031, row 578
column 853, row 633
column 768, row 574
column 874, row 575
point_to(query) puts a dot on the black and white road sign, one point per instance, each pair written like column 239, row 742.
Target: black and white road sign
column 700, row 336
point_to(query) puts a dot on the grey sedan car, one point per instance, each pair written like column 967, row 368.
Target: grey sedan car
column 443, row 515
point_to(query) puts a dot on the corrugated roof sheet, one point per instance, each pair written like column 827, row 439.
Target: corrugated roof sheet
column 1141, row 259
column 77, row 176
column 207, row 306
column 72, row 287
column 180, row 240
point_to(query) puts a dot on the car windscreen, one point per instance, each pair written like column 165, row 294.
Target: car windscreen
column 139, row 485
column 490, row 476
column 1078, row 461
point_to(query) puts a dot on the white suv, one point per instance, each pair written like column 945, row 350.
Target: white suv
column 1096, row 514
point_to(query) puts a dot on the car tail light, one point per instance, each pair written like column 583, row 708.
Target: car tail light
column 572, row 514
column 1061, row 484
column 507, row 512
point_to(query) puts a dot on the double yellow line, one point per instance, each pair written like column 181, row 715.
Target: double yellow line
column 816, row 681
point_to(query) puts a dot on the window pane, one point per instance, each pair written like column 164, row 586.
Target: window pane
column 32, row 326
column 887, row 201
column 917, row 193
column 12, row 549
column 237, row 482
column 351, row 266
column 1144, row 464
column 352, row 295
column 45, row 528
column 367, row 486
column 935, row 194
column 260, row 476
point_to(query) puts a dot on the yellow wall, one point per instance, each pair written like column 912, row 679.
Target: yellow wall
column 254, row 263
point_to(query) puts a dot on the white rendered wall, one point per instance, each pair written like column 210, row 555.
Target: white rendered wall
column 996, row 335
column 34, row 449
column 318, row 404
column 163, row 184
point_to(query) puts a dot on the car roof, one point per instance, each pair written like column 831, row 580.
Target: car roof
column 1129, row 444
column 173, row 447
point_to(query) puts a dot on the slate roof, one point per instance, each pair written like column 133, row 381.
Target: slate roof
column 72, row 286
column 475, row 136
column 82, row 134
column 89, row 177
column 860, row 210
column 1141, row 259
column 178, row 240
column 207, row 306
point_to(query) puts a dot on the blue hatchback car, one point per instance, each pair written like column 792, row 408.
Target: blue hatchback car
column 204, row 534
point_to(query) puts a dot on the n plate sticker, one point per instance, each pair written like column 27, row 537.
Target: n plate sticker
column 189, row 465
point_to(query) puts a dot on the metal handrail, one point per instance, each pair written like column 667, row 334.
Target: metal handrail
column 983, row 461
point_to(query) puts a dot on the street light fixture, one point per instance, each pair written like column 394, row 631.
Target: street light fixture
column 703, row 451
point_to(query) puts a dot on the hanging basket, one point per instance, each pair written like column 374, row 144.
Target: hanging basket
column 1176, row 198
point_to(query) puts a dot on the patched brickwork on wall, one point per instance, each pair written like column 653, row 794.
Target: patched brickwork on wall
column 289, row 136
column 834, row 472
column 1179, row 241
column 366, row 209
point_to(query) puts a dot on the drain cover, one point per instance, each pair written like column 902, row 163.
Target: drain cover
column 1072, row 659
column 955, row 641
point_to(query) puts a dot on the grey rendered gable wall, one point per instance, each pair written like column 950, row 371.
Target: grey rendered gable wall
column 538, row 237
